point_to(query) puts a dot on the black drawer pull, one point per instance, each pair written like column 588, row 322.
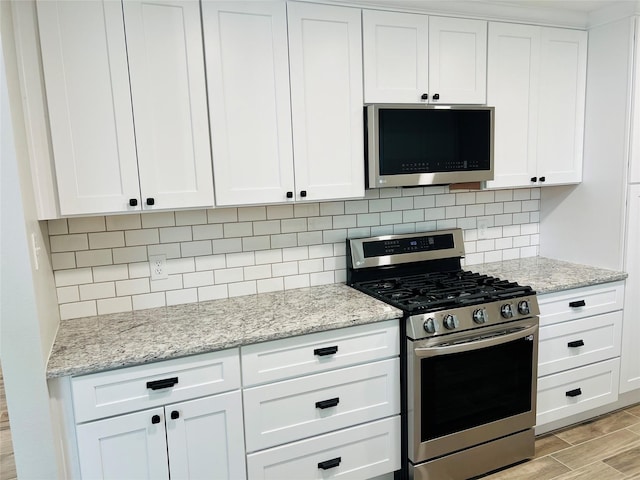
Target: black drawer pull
column 155, row 419
column 574, row 393
column 332, row 402
column 175, row 415
column 322, row 352
column 164, row 383
column 577, row 303
column 327, row 464
column 575, row 344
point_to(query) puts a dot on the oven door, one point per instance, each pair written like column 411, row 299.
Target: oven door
column 471, row 388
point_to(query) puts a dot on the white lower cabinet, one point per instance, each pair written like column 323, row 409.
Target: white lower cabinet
column 355, row 453
column 199, row 436
column 579, row 351
column 334, row 414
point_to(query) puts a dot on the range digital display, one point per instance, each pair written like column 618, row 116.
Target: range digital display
column 407, row 245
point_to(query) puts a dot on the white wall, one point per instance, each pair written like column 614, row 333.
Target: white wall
column 28, row 317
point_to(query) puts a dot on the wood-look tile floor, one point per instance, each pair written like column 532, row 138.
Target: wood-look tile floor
column 7, row 463
column 603, row 448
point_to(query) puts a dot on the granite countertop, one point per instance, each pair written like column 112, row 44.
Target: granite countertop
column 546, row 275
column 104, row 342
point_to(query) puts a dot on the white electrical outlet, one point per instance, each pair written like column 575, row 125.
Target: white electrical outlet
column 158, row 267
column 483, row 228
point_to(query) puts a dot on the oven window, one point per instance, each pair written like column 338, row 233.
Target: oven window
column 464, row 390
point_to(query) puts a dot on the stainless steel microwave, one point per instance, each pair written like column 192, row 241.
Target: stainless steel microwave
column 411, row 145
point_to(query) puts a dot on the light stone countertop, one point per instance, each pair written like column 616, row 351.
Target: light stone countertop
column 546, row 275
column 105, row 342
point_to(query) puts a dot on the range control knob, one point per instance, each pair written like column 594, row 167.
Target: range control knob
column 480, row 315
column 506, row 311
column 429, row 325
column 523, row 307
column 450, row 322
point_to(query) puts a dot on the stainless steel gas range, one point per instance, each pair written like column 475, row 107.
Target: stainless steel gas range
column 470, row 357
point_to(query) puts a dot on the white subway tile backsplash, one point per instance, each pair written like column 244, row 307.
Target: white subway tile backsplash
column 250, row 214
column 58, row 227
column 110, row 273
column 132, row 287
column 94, row 258
column 129, row 254
column 114, row 305
column 158, row 219
column 211, row 262
column 175, row 234
column 179, row 297
column 170, row 250
column 278, row 212
column 123, row 222
column 207, row 232
column 147, row 236
column 78, row 309
column 224, row 252
column 75, row 276
column 148, row 300
column 270, row 285
column 61, row 261
column 86, row 224
column 191, row 217
column 212, row 292
column 222, row 215
column 69, row 243
column 93, row 291
column 196, row 249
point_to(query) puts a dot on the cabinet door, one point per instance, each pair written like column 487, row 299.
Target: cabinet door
column 630, row 357
column 128, row 446
column 84, row 61
column 325, row 50
column 395, row 56
column 457, row 60
column 512, row 77
column 249, row 105
column 634, row 167
column 166, row 64
column 206, row 438
column 563, row 71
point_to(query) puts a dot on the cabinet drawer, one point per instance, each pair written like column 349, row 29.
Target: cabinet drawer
column 364, row 452
column 579, row 342
column 293, row 409
column 597, row 385
column 318, row 352
column 580, row 302
column 129, row 389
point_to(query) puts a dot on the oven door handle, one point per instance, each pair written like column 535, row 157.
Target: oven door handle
column 475, row 343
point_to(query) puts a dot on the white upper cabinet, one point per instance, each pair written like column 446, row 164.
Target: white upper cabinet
column 325, row 51
column 103, row 68
column 248, row 75
column 457, row 60
column 409, row 58
column 253, row 49
column 536, row 81
column 561, row 100
column 395, row 56
column 166, row 66
column 513, row 67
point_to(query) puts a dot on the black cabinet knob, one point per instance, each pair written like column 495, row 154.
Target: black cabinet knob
column 303, row 193
column 424, row 96
column 133, row 202
column 151, row 201
column 175, row 415
column 534, row 179
column 155, row 419
column 542, row 179
column 289, row 194
column 436, row 96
